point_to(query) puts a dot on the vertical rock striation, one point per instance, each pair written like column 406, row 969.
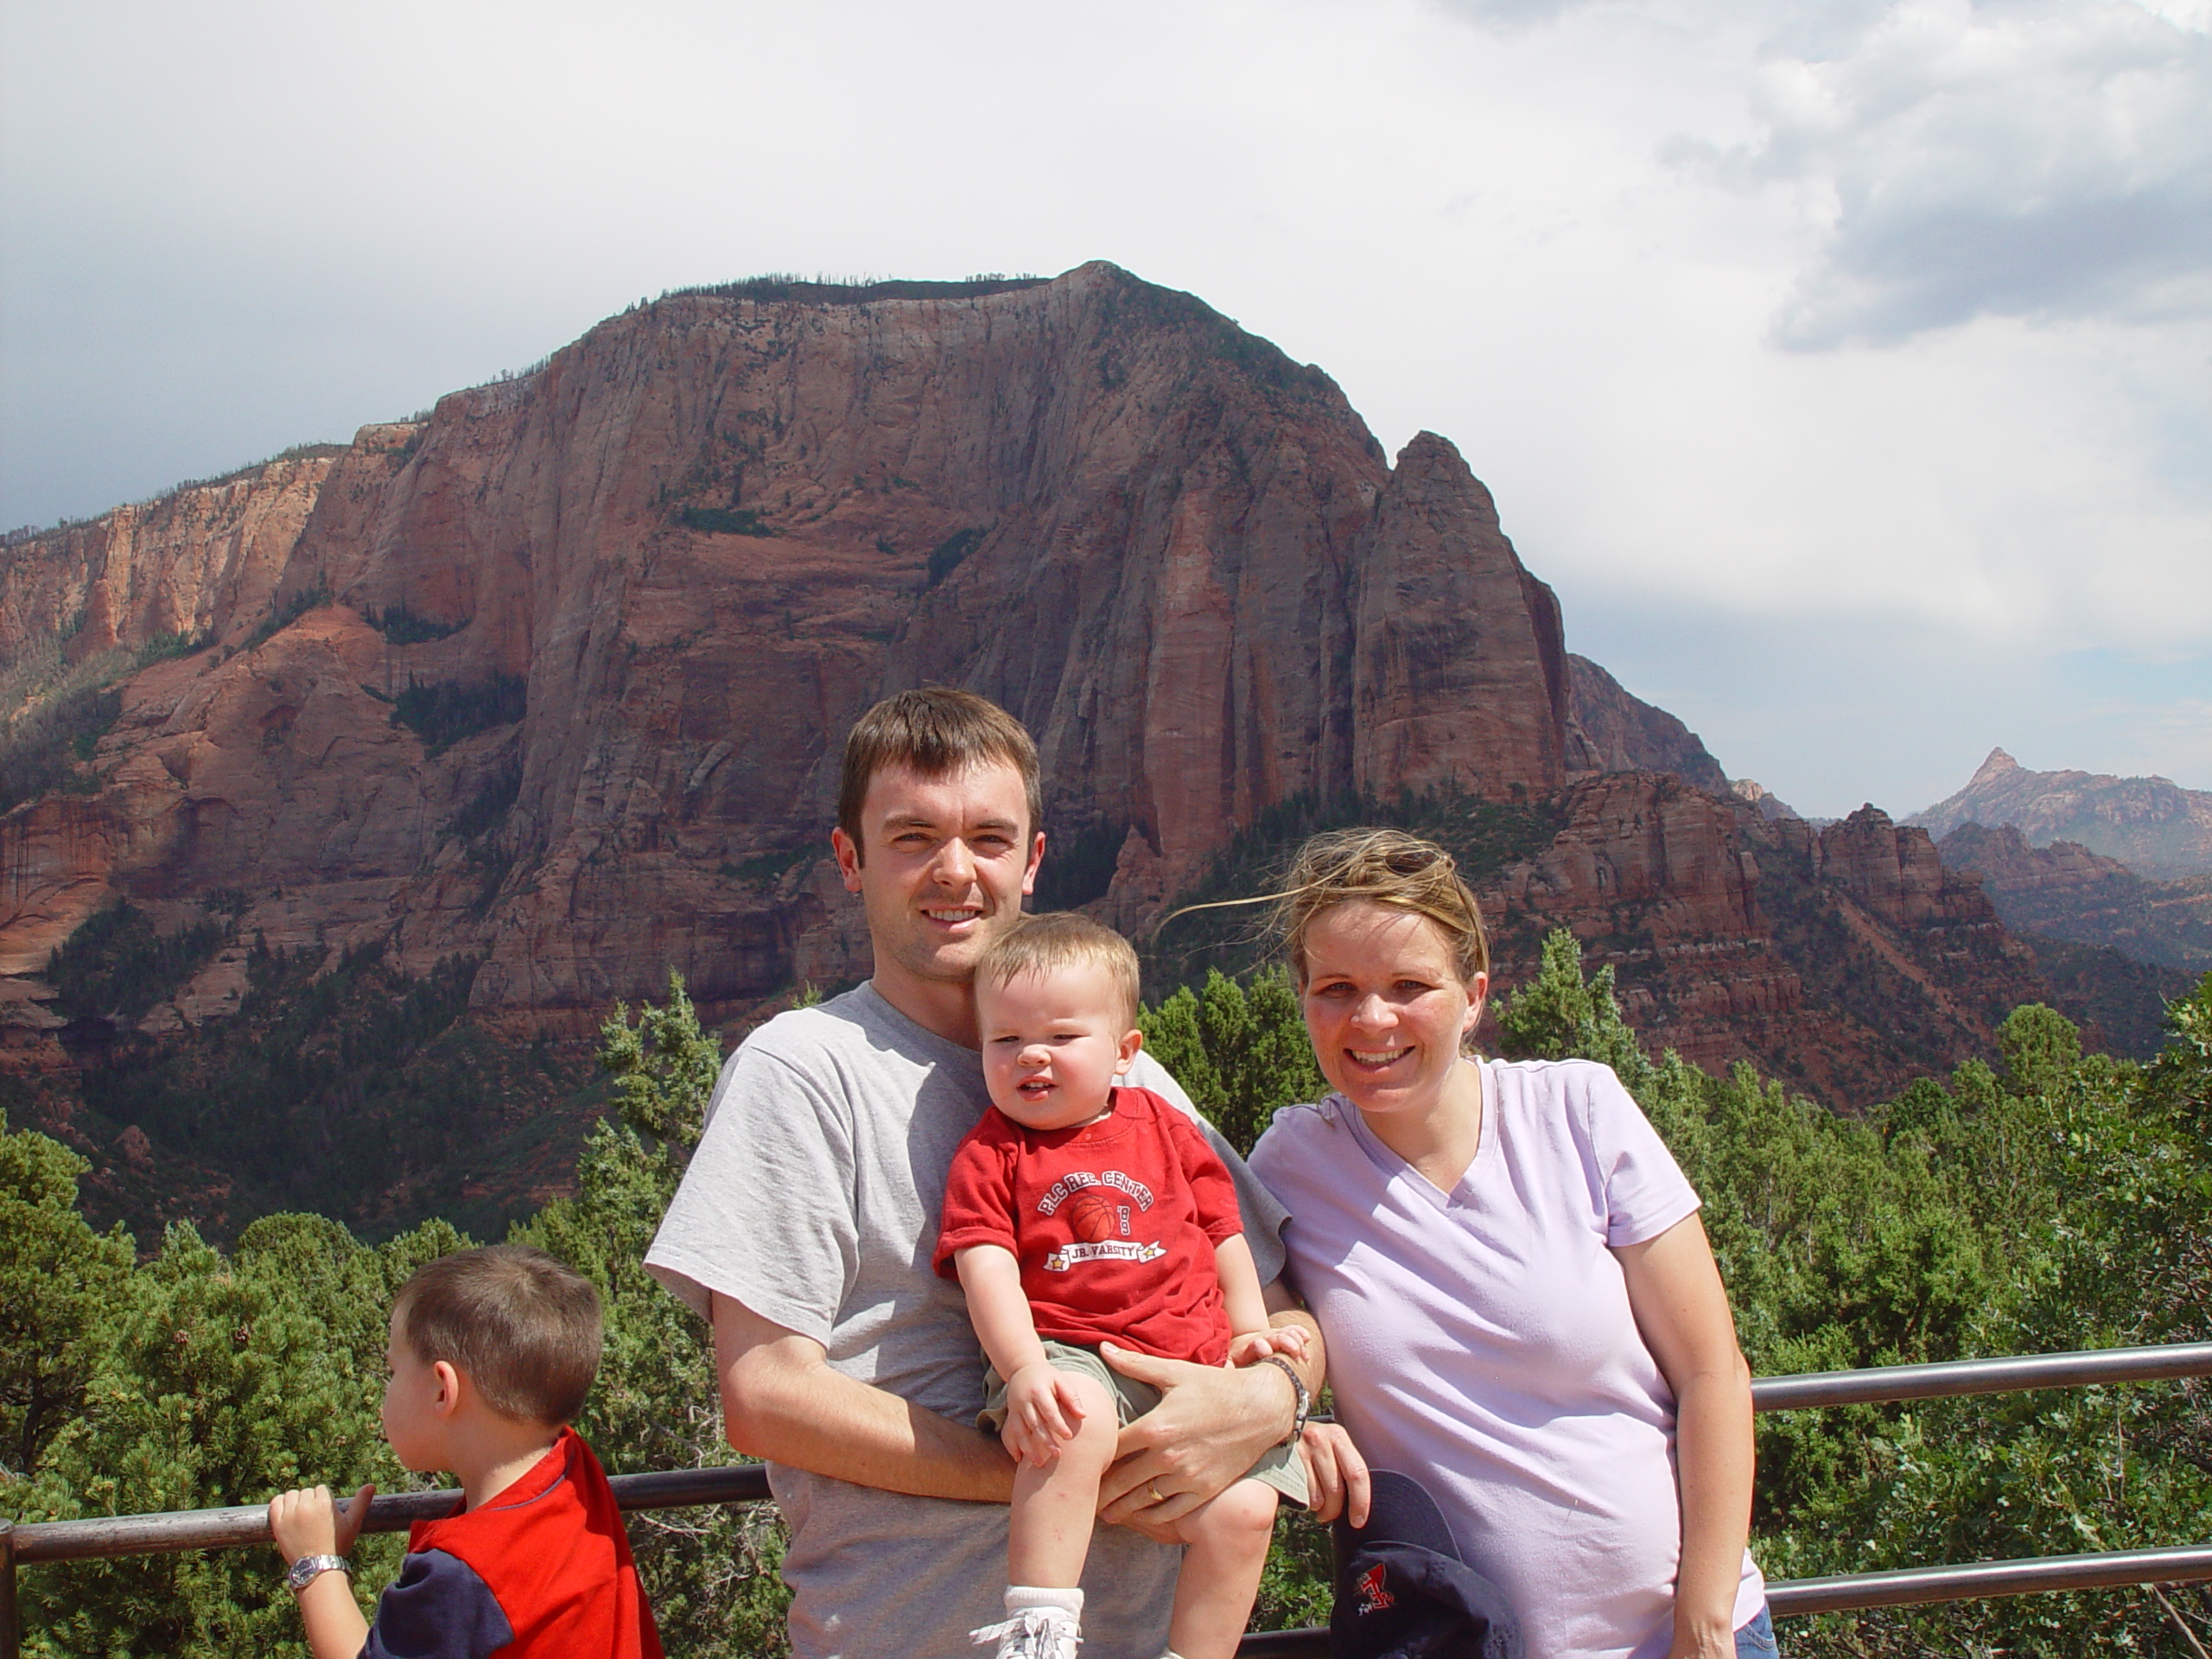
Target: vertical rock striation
column 697, row 543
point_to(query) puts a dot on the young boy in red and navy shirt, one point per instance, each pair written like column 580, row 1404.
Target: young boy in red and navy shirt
column 491, row 1353
column 1078, row 1213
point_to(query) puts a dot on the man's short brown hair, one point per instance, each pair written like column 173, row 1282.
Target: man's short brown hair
column 1061, row 939
column 937, row 730
column 521, row 1326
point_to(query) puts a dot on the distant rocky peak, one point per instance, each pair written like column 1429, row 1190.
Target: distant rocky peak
column 1996, row 766
column 2149, row 823
column 1771, row 805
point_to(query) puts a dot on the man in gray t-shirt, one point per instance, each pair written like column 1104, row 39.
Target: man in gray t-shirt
column 804, row 1225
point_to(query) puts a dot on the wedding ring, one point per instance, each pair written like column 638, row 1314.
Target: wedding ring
column 1154, row 1488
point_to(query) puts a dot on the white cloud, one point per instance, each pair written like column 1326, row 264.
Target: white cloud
column 230, row 227
column 2044, row 161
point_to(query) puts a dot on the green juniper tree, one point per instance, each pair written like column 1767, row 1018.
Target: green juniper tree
column 2053, row 1200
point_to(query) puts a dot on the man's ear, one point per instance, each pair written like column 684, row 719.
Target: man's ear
column 849, row 859
column 1131, row 1042
column 1036, row 857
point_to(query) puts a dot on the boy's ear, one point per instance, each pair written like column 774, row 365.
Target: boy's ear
column 448, row 1397
column 1131, row 1042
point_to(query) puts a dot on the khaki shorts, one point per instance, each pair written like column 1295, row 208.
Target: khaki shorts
column 1280, row 1466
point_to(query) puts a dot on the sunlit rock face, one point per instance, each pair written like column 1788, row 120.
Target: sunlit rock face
column 655, row 580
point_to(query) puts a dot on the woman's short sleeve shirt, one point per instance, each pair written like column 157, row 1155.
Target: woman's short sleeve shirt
column 1481, row 1340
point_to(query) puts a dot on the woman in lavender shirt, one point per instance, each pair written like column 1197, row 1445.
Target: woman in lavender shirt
column 1521, row 1307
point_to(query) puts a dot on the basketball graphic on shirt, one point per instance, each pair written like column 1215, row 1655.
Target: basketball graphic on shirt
column 1093, row 1217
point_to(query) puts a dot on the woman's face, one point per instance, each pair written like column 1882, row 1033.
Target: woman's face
column 1385, row 1006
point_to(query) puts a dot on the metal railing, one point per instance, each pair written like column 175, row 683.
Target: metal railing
column 37, row 1542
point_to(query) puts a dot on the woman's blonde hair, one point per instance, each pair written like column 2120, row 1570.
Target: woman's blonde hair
column 1380, row 866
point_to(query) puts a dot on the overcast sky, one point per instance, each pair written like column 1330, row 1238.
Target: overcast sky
column 1847, row 366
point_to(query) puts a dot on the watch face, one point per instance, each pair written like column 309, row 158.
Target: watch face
column 308, row 1568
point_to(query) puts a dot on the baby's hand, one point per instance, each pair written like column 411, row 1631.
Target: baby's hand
column 1042, row 1409
column 308, row 1522
column 1288, row 1340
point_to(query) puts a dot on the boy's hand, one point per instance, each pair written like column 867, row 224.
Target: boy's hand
column 1042, row 1409
column 308, row 1522
column 1288, row 1340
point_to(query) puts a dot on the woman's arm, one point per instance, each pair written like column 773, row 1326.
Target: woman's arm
column 1682, row 1311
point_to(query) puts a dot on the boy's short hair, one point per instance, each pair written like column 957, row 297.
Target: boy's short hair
column 937, row 730
column 1061, row 938
column 521, row 1326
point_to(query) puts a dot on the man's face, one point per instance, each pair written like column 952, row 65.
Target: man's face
column 948, row 861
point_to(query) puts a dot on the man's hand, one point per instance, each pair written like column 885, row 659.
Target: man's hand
column 308, row 1522
column 1043, row 1408
column 1210, row 1426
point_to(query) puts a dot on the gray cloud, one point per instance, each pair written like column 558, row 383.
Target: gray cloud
column 1508, row 15
column 2041, row 160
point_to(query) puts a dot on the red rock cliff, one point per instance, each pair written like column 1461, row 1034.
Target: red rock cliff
column 703, row 538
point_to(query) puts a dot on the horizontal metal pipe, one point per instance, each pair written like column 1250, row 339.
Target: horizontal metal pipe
column 1913, row 1585
column 1795, row 1597
column 1981, row 1376
column 151, row 1534
column 1285, row 1644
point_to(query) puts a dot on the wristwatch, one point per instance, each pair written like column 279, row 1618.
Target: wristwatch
column 305, row 1571
column 1304, row 1398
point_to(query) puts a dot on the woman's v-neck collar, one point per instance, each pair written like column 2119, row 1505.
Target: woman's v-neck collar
column 1398, row 1169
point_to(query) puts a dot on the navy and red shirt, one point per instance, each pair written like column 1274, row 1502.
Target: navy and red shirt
column 1114, row 1223
column 542, row 1571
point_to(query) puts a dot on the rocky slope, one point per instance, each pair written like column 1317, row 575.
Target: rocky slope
column 1624, row 734
column 2064, row 891
column 2151, row 824
column 550, row 685
column 1845, row 959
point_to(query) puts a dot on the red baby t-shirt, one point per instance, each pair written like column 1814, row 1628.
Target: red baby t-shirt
column 1114, row 1223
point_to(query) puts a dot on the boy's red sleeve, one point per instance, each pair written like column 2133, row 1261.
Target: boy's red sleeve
column 978, row 1197
column 1213, row 1191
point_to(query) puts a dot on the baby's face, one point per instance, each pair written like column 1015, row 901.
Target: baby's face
column 1053, row 1044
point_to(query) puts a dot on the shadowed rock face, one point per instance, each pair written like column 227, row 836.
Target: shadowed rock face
column 702, row 538
column 2066, row 892
column 1846, row 960
column 1622, row 733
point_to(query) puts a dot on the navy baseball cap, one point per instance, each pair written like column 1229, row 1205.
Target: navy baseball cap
column 1403, row 1591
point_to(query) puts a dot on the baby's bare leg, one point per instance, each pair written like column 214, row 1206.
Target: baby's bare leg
column 1228, row 1541
column 1054, row 1506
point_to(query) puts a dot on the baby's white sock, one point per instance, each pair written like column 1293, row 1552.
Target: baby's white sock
column 1020, row 1596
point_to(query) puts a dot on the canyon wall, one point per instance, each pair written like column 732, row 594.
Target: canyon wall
column 682, row 555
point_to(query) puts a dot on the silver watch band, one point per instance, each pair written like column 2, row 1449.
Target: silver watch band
column 308, row 1568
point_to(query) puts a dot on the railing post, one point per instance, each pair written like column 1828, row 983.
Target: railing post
column 11, row 1643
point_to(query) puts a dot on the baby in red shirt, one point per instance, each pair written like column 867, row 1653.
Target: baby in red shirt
column 1079, row 1212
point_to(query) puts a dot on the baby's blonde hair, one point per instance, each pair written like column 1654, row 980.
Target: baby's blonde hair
column 1061, row 939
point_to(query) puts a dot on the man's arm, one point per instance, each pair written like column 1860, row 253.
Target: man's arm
column 782, row 1400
